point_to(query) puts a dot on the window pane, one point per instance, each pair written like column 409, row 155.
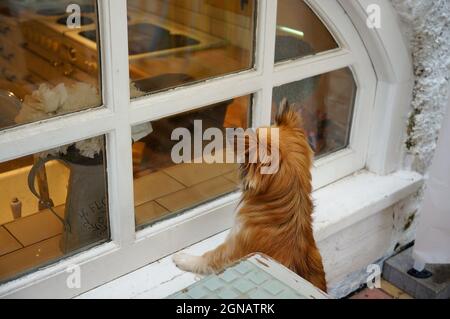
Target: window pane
column 172, row 43
column 63, row 212
column 163, row 188
column 326, row 104
column 46, row 68
column 300, row 32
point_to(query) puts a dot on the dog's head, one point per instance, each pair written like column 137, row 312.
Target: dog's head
column 278, row 156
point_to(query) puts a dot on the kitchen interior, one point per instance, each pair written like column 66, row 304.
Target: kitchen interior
column 45, row 58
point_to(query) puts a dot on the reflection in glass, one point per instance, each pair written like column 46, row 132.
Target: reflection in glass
column 172, row 43
column 326, row 104
column 52, row 204
column 163, row 188
column 300, row 32
column 46, row 68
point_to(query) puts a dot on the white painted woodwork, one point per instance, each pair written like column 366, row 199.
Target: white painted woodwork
column 378, row 122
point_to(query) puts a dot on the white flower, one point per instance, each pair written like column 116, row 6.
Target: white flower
column 134, row 91
column 90, row 147
column 80, row 96
column 50, row 101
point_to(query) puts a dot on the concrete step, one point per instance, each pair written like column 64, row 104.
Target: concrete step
column 436, row 287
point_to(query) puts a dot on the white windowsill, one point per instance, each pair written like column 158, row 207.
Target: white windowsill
column 338, row 206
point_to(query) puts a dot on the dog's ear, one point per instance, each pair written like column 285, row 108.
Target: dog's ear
column 287, row 116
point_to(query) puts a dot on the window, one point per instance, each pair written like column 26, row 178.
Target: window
column 226, row 63
column 163, row 188
column 54, row 204
column 300, row 32
column 45, row 70
column 325, row 103
column 171, row 44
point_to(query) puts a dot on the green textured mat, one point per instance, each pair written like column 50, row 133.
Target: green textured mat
column 255, row 277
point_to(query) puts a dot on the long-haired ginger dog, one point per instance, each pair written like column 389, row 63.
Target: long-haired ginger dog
column 274, row 217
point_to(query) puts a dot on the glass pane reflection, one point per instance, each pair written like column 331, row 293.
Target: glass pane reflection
column 63, row 211
column 300, row 32
column 46, row 68
column 177, row 42
column 326, row 104
column 163, row 188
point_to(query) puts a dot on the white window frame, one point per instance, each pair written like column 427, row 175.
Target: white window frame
column 128, row 249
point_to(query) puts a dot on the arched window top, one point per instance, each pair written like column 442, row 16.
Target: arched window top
column 300, row 32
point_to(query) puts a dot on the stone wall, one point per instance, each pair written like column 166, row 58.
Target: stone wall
column 427, row 28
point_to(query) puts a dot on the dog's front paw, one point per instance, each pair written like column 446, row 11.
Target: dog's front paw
column 184, row 261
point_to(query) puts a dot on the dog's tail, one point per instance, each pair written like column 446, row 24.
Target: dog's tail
column 287, row 116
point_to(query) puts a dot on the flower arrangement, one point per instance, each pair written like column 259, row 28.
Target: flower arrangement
column 48, row 101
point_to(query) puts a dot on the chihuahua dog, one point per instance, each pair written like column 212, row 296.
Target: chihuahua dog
column 275, row 213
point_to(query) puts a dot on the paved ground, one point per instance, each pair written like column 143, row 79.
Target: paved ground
column 437, row 286
column 387, row 291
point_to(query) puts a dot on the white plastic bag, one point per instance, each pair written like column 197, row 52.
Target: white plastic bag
column 433, row 233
